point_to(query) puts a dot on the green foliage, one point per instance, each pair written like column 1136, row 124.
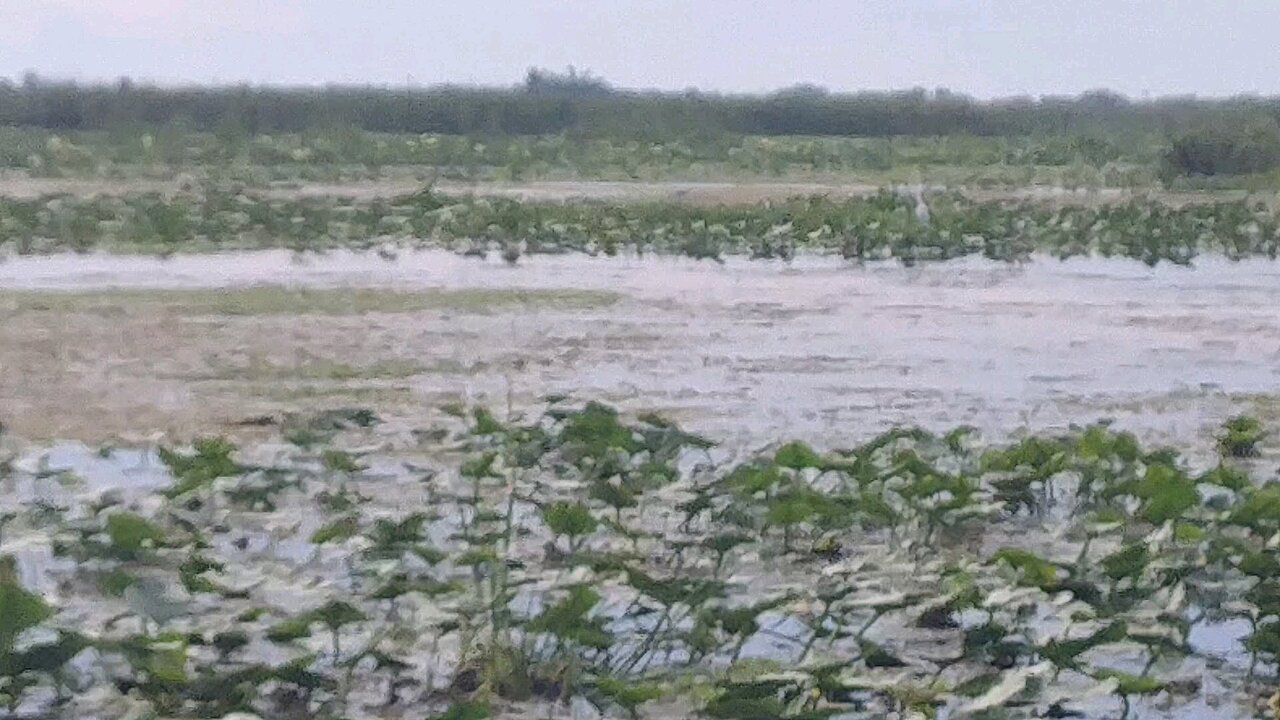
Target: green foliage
column 628, row 695
column 1227, row 148
column 876, row 656
column 480, row 467
column 876, row 227
column 338, row 530
column 338, row 126
column 1133, row 684
column 130, row 534
column 748, row 700
column 1128, row 562
column 1066, row 653
column 798, row 504
column 619, row 496
column 754, row 477
column 113, row 583
column 1227, row 477
column 20, row 610
column 596, row 429
column 1240, row 437
column 191, row 574
column 167, row 662
column 1033, row 570
column 464, row 710
column 47, row 657
column 391, row 538
column 211, row 460
column 1166, row 493
column 573, row 520
column 798, row 456
column 230, row 641
column 290, row 630
column 1260, row 509
column 569, row 621
column 312, row 429
column 485, row 423
column 669, row 601
column 336, row 613
column 339, row 461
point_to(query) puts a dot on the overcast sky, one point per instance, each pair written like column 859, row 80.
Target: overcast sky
column 982, row 47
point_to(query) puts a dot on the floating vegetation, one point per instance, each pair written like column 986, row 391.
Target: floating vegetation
column 580, row 558
column 883, row 226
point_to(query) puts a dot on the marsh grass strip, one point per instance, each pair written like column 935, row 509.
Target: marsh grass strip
column 266, row 300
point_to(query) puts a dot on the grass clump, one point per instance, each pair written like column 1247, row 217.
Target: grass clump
column 1240, row 437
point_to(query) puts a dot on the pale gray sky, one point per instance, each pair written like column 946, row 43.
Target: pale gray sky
column 982, row 47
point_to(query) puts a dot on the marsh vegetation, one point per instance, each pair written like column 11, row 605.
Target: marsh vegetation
column 579, row 559
column 886, row 225
column 335, row 365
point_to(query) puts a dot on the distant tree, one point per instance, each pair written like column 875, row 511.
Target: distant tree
column 570, row 83
column 579, row 102
column 1227, row 147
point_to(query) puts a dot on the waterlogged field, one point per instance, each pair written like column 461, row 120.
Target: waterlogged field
column 801, row 448
column 561, row 401
column 268, row 483
column 102, row 348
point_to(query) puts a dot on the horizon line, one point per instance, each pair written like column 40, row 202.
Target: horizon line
column 606, row 89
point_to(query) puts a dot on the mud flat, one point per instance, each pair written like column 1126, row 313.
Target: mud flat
column 96, row 345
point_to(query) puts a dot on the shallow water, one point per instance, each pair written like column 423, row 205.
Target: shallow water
column 750, row 352
column 100, row 470
column 816, row 348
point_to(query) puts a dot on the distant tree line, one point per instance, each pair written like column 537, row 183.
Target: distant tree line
column 1230, row 147
column 583, row 105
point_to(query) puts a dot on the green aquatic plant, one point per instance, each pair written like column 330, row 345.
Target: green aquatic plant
column 339, row 461
column 880, row 226
column 210, row 460
column 337, row 530
column 573, row 521
column 1240, row 437
column 191, row 573
column 581, row 555
column 464, row 710
column 1127, row 685
column 130, row 534
column 485, row 423
column 333, row 615
column 20, row 611
column 798, row 456
column 627, row 695
column 392, row 538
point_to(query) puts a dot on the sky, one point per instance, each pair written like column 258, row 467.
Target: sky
column 986, row 48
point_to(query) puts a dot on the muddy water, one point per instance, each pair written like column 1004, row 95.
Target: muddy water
column 754, row 351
